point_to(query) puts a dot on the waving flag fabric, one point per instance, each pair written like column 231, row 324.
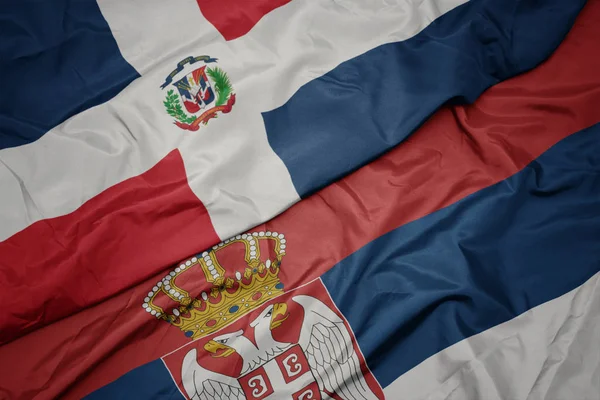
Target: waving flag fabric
column 462, row 263
column 70, row 188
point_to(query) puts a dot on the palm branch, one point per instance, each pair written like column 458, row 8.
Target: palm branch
column 222, row 84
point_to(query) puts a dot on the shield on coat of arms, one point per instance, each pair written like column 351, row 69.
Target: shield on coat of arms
column 287, row 376
column 195, row 90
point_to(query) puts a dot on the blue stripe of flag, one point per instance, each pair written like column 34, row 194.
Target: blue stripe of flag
column 148, row 382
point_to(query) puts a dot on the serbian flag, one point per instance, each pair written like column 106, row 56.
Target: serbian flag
column 443, row 155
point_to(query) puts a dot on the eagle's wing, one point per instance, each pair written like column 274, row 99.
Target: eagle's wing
column 203, row 384
column 328, row 348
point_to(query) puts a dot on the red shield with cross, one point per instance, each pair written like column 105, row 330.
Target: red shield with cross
column 287, row 376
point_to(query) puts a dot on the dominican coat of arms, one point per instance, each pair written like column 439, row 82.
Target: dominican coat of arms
column 250, row 338
column 197, row 91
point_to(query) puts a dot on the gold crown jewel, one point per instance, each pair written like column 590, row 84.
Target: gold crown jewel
column 223, row 295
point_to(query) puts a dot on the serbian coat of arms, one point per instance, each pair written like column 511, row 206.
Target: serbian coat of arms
column 250, row 338
column 197, row 91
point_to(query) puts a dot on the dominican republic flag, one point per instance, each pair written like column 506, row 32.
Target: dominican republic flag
column 292, row 199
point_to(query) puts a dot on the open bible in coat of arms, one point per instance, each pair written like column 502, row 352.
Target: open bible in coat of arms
column 197, row 91
column 250, row 338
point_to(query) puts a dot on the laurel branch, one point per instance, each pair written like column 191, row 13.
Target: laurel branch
column 175, row 110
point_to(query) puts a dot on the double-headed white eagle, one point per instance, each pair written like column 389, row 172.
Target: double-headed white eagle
column 323, row 338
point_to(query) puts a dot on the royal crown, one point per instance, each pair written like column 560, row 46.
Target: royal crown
column 220, row 294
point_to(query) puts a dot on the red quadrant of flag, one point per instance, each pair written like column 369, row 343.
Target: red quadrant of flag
column 235, row 18
column 124, row 235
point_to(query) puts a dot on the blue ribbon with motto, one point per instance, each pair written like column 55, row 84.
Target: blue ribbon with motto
column 189, row 60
